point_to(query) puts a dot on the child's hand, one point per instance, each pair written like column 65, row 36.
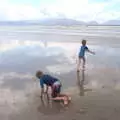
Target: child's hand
column 33, row 78
column 40, row 96
column 45, row 92
column 93, row 53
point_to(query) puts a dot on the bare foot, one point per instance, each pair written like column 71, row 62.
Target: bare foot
column 66, row 100
column 69, row 98
column 83, row 68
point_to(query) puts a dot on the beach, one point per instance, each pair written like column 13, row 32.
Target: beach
column 95, row 92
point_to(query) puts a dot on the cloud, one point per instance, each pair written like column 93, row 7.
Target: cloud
column 77, row 9
column 10, row 11
column 85, row 10
column 110, row 11
column 111, row 15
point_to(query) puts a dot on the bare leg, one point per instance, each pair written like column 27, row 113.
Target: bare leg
column 58, row 98
column 84, row 61
column 64, row 98
column 64, row 95
column 78, row 64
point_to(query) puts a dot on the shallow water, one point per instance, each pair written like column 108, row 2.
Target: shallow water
column 90, row 90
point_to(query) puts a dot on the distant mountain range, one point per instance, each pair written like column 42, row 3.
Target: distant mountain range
column 60, row 22
column 112, row 22
column 64, row 22
column 92, row 23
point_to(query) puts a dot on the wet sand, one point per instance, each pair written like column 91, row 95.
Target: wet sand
column 95, row 92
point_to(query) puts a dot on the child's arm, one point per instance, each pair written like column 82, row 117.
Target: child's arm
column 91, row 52
column 46, row 89
column 42, row 87
column 42, row 92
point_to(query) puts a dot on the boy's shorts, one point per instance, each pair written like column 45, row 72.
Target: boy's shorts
column 81, row 57
column 56, row 89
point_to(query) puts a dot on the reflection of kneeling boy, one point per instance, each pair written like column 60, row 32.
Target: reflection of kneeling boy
column 55, row 85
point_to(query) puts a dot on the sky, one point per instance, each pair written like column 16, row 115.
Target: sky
column 83, row 10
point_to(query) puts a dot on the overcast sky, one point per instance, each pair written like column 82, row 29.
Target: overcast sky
column 85, row 10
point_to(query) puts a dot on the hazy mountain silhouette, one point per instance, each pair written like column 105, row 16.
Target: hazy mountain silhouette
column 60, row 22
column 112, row 22
column 92, row 23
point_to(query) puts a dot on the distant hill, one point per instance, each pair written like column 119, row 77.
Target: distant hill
column 13, row 23
column 64, row 22
column 112, row 22
column 46, row 22
column 60, row 22
column 92, row 23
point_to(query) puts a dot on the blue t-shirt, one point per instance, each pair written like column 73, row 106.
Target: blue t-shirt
column 82, row 51
column 48, row 80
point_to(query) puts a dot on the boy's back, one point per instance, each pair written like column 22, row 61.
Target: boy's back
column 48, row 80
column 82, row 50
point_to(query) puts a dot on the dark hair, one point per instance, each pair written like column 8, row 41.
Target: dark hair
column 84, row 42
column 39, row 74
